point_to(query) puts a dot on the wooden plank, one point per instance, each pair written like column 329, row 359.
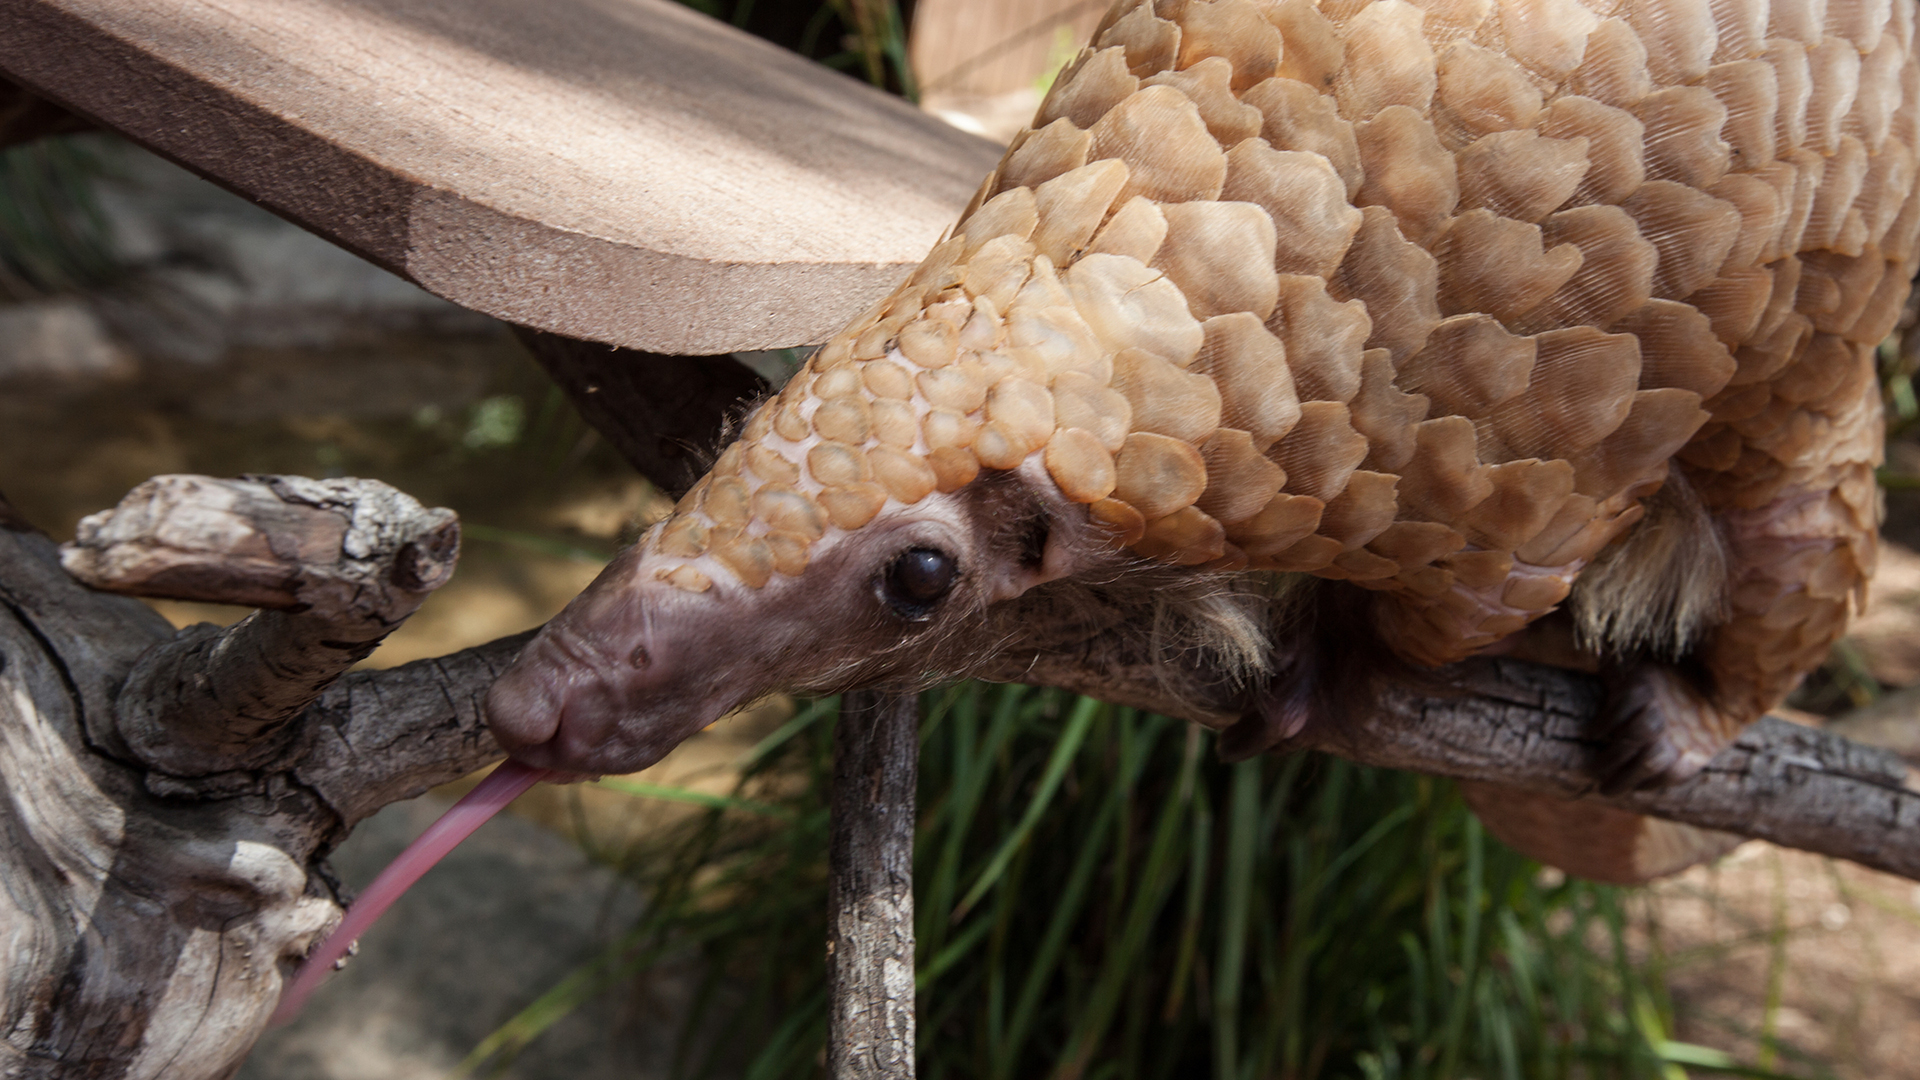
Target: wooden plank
column 625, row 171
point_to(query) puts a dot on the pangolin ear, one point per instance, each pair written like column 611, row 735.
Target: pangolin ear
column 1062, row 556
column 1065, row 543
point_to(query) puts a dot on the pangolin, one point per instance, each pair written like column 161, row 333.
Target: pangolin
column 1299, row 346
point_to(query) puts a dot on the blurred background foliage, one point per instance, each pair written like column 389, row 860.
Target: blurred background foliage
column 53, row 237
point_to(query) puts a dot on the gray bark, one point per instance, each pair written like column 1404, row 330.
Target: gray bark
column 150, row 917
column 334, row 565
column 876, row 768
column 1527, row 726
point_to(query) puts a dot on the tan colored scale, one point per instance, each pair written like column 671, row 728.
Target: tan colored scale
column 1428, row 297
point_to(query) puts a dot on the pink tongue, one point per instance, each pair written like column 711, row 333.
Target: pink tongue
column 494, row 792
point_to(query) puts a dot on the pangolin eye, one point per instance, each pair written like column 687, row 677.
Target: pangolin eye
column 917, row 579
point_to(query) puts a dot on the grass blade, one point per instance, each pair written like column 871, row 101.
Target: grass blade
column 1063, row 751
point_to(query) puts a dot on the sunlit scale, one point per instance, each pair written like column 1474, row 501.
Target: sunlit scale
column 1424, row 297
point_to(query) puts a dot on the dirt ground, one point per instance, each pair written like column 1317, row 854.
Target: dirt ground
column 1795, row 962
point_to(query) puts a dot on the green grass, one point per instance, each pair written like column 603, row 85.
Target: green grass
column 53, row 237
column 1099, row 897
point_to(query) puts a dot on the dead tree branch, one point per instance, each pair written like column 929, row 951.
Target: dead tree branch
column 377, row 737
column 151, row 917
column 333, row 565
column 1530, row 727
column 160, row 908
column 876, row 768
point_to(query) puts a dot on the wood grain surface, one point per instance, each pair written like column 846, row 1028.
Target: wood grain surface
column 625, row 171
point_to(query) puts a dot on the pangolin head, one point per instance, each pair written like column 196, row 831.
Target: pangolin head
column 1425, row 297
column 962, row 444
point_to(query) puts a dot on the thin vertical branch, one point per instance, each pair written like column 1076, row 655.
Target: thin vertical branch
column 876, row 766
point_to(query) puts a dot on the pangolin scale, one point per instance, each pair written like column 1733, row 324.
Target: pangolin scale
column 1449, row 301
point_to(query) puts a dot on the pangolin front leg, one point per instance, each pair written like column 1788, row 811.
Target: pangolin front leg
column 1437, row 303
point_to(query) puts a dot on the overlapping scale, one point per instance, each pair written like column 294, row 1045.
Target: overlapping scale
column 1421, row 295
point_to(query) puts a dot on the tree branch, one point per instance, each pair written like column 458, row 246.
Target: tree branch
column 335, row 566
column 95, row 837
column 377, row 737
column 1529, row 726
column 876, row 768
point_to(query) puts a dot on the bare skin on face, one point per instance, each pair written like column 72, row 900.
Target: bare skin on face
column 1301, row 347
column 636, row 664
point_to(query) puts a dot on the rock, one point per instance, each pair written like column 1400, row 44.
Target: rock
column 59, row 337
column 210, row 272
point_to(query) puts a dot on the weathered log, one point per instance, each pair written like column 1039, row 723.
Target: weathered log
column 151, row 917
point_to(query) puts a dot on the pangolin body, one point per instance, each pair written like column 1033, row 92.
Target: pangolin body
column 1437, row 299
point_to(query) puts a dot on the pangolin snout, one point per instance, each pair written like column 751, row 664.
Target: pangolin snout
column 611, row 685
column 559, row 703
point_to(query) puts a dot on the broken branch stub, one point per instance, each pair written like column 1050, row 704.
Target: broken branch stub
column 334, row 565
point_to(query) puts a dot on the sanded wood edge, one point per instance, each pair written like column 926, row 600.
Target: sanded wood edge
column 581, row 287
column 512, row 268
